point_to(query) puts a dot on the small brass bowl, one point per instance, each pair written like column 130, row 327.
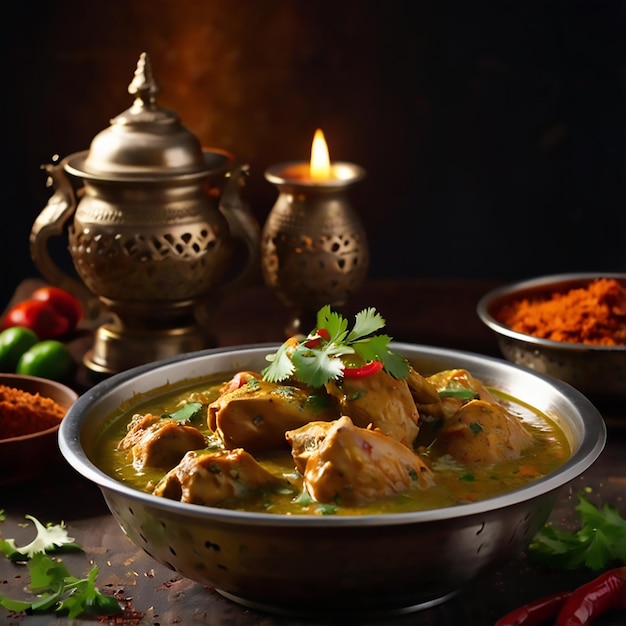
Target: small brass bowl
column 32, row 456
column 597, row 371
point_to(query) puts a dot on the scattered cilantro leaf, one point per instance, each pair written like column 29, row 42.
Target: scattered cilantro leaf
column 55, row 588
column 86, row 598
column 51, row 583
column 49, row 538
column 599, row 542
column 316, row 360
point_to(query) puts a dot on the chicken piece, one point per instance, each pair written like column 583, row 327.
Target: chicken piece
column 483, row 433
column 381, row 400
column 159, row 442
column 305, row 441
column 425, row 394
column 136, row 429
column 458, row 380
column 353, row 465
column 256, row 415
column 209, row 478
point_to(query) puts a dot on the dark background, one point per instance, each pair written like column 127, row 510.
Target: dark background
column 492, row 133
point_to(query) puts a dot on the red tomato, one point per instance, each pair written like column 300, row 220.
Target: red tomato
column 39, row 316
column 63, row 302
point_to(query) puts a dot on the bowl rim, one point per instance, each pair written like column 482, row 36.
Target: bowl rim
column 61, row 387
column 69, row 442
column 517, row 289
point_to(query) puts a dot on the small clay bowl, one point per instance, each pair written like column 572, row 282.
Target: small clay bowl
column 28, row 457
column 597, row 371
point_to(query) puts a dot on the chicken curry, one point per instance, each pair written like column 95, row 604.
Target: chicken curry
column 371, row 444
column 336, row 424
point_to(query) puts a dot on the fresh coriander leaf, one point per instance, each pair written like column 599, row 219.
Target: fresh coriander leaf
column 86, row 598
column 281, row 367
column 186, row 413
column 326, row 508
column 373, row 348
column 395, row 364
column 48, row 539
column 55, row 588
column 46, row 573
column 316, row 368
column 2, row 515
column 303, row 498
column 366, row 322
column 316, row 359
column 50, row 581
column 335, row 324
column 600, row 540
column 462, row 393
column 377, row 349
column 18, row 606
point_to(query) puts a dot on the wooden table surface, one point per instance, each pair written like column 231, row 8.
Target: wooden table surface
column 433, row 312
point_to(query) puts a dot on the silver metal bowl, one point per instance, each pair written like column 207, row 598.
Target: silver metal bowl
column 371, row 564
column 598, row 371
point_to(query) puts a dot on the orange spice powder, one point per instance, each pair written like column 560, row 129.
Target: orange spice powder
column 595, row 315
column 23, row 413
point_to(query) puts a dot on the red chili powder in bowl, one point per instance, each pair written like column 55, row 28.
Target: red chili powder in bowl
column 23, row 413
column 594, row 314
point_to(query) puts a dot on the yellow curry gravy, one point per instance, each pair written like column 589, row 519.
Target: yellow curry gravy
column 455, row 483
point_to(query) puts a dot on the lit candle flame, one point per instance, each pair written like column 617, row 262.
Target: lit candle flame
column 320, row 160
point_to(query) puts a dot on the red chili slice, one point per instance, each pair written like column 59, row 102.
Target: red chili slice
column 371, row 367
column 316, row 341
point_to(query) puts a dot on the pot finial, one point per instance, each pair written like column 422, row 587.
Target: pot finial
column 143, row 85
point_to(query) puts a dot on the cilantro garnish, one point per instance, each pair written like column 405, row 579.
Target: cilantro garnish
column 599, row 542
column 317, row 358
column 187, row 413
column 52, row 584
column 461, row 393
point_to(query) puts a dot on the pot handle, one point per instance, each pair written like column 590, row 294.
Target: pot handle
column 242, row 226
column 50, row 223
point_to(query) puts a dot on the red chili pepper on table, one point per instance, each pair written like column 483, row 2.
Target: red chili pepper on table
column 535, row 613
column 577, row 608
column 604, row 593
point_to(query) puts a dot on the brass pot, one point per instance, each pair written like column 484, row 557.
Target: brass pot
column 152, row 220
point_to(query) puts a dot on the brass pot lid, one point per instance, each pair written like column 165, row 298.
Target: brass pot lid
column 145, row 142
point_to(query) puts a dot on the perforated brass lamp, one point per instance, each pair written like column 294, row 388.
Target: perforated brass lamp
column 314, row 248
